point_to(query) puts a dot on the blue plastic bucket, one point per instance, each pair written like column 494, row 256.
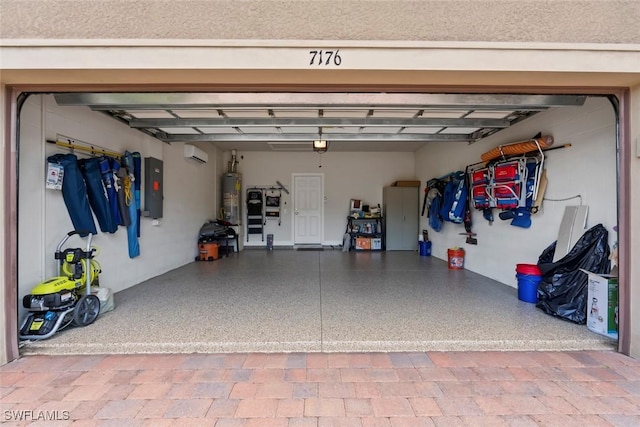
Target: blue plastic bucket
column 528, row 287
column 425, row 248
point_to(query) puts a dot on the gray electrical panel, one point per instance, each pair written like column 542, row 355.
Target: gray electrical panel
column 153, row 186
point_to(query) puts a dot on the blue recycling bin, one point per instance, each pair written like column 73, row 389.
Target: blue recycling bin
column 425, row 248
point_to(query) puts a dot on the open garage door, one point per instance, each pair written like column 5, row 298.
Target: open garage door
column 350, row 121
column 374, row 139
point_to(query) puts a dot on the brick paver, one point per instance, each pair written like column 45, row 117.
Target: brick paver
column 153, row 409
column 116, row 392
column 290, row 408
column 149, row 391
column 257, row 408
column 123, row 409
column 222, row 408
column 188, row 408
column 324, row 408
column 587, row 388
column 358, row 407
column 392, row 407
column 278, row 390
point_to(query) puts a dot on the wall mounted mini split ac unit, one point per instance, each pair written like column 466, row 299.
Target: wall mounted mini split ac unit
column 193, row 152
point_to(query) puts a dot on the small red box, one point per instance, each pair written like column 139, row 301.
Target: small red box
column 480, row 177
column 480, row 196
column 506, row 172
column 480, row 191
column 507, row 190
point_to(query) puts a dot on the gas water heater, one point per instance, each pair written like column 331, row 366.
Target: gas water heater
column 231, row 191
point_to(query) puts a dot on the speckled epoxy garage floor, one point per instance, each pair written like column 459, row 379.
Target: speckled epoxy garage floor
column 311, row 301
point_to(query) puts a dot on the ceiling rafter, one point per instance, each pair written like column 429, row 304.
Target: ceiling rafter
column 300, row 121
column 274, row 137
column 401, row 120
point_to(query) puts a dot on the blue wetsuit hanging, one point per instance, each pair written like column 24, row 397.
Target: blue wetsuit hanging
column 98, row 200
column 112, row 195
column 74, row 193
column 129, row 189
column 137, row 170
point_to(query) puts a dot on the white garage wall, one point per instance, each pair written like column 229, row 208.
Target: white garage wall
column 587, row 168
column 44, row 220
column 347, row 175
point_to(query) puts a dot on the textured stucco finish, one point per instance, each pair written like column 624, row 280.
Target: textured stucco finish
column 634, row 219
column 4, row 265
column 613, row 21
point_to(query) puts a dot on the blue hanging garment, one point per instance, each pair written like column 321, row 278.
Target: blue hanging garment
column 96, row 193
column 435, row 220
column 74, row 193
column 137, row 171
column 448, row 198
column 109, row 185
column 130, row 200
column 119, row 175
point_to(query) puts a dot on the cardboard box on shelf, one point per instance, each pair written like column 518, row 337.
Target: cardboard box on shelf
column 376, row 243
column 363, row 243
column 602, row 304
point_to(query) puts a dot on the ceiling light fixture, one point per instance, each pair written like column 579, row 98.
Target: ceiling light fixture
column 320, row 145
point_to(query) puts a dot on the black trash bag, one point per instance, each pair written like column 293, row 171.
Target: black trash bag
column 562, row 292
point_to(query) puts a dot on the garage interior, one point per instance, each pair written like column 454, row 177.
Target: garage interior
column 329, row 300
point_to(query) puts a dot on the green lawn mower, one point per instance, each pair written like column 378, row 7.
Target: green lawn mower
column 66, row 299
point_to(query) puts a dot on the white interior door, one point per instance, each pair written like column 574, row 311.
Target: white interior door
column 308, row 194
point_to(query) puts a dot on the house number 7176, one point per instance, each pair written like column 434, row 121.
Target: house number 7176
column 325, row 57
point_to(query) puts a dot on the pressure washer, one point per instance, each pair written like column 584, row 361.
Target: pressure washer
column 65, row 299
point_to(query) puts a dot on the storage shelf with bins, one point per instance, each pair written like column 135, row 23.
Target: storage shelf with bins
column 367, row 233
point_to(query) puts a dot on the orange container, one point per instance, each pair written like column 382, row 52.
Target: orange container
column 363, row 243
column 208, row 251
column 456, row 258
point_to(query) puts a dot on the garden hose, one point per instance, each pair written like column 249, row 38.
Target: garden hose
column 128, row 194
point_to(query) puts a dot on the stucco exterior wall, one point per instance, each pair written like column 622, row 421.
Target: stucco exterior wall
column 3, row 258
column 587, row 21
column 634, row 214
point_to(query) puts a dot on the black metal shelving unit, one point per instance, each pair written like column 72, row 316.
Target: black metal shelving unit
column 255, row 212
column 371, row 228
